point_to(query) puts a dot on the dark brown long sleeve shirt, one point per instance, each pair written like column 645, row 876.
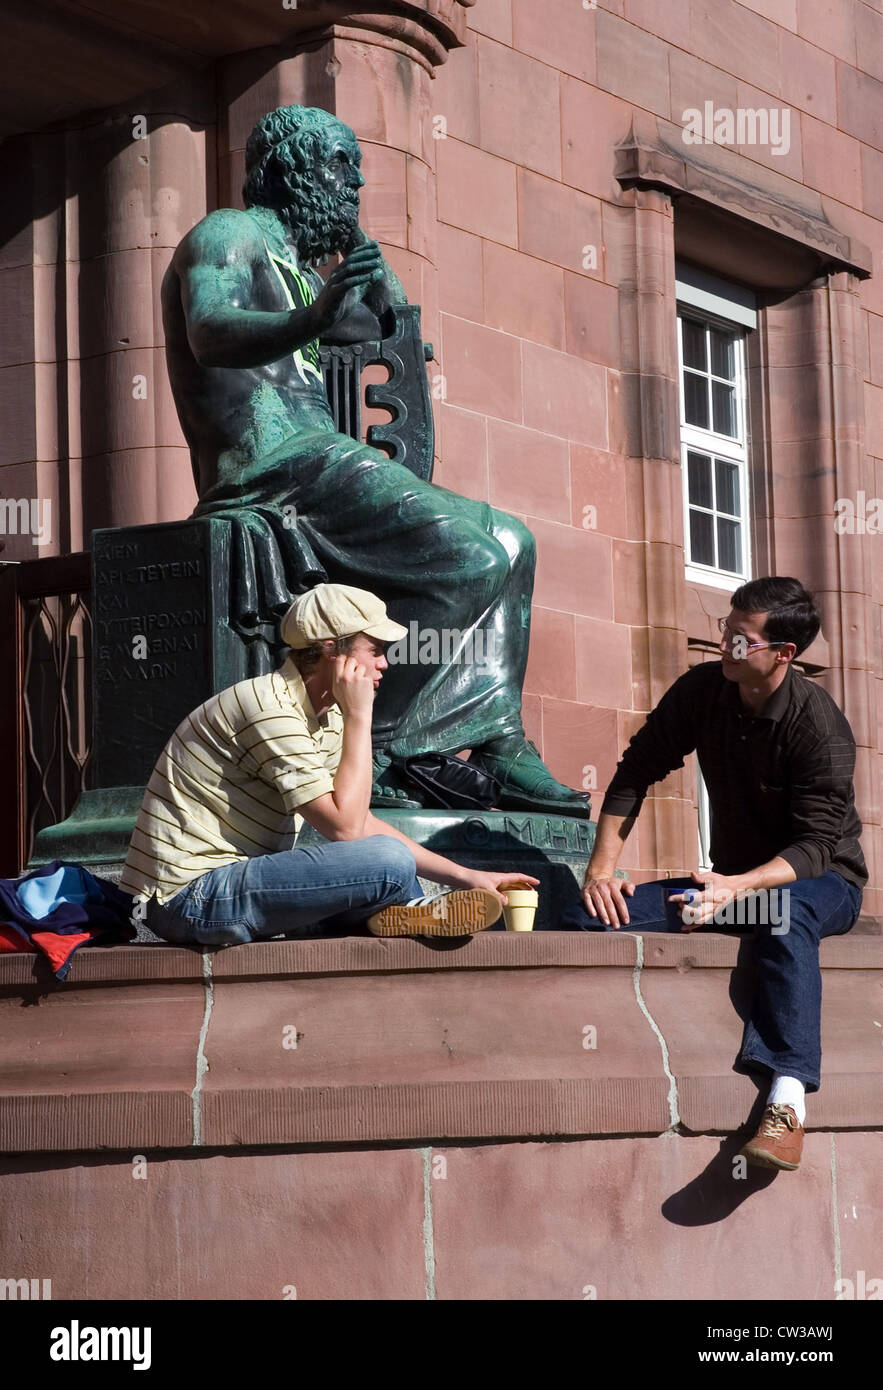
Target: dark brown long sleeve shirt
column 779, row 782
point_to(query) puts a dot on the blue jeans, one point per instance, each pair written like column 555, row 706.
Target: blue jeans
column 322, row 890
column 783, row 1030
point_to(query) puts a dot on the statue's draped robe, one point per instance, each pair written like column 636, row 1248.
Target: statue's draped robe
column 458, row 569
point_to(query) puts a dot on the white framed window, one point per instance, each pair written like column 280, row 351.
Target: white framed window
column 712, row 321
column 704, row 820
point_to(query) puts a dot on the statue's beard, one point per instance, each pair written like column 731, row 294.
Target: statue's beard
column 320, row 223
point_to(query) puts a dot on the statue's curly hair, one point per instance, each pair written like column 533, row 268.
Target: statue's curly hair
column 279, row 158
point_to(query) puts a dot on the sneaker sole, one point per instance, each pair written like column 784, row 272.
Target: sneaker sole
column 461, row 913
column 761, row 1159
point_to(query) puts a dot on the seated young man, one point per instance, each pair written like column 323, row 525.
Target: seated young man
column 777, row 756
column 212, row 851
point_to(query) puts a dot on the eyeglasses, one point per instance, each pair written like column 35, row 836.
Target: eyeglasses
column 730, row 638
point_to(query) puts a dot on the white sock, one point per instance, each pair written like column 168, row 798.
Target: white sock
column 787, row 1090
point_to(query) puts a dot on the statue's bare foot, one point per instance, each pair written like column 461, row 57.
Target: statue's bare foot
column 390, row 789
column 526, row 782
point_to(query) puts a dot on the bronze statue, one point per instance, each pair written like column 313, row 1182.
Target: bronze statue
column 244, row 310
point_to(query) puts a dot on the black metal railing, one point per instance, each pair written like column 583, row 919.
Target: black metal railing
column 45, row 697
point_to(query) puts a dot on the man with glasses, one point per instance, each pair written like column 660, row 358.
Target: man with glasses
column 777, row 756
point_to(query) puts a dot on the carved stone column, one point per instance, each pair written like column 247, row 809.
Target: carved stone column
column 649, row 575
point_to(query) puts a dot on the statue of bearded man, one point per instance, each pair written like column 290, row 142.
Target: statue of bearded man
column 244, row 311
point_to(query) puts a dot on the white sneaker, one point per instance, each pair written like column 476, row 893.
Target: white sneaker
column 458, row 913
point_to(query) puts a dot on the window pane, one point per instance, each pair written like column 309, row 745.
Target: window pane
column 699, row 479
column 696, row 400
column 727, row 481
column 724, row 398
column 723, row 354
column 729, row 545
column 701, row 538
column 694, row 345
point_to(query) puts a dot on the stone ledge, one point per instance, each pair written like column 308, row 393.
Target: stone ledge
column 145, row 962
column 362, row 1040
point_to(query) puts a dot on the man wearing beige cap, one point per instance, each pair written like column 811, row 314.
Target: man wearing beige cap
column 212, row 851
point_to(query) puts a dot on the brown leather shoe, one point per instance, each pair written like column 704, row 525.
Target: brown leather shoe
column 779, row 1141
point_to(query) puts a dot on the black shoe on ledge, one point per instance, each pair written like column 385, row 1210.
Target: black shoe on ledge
column 389, row 788
column 526, row 782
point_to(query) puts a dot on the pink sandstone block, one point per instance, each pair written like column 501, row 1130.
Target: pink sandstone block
column 830, row 24
column 482, row 368
column 460, row 275
column 523, row 296
column 781, row 12
column 733, row 38
column 857, row 1160
column 476, row 192
column 559, row 224
column 603, row 664
column 580, row 742
column 869, row 40
column 591, row 314
column 573, row 570
column 808, row 77
column 671, row 22
column 632, row 64
column 494, row 18
column 464, row 452
column 384, row 197
column 551, row 665
column 454, row 96
column 225, row 1226
column 564, row 395
column 860, row 111
column 529, row 472
column 558, row 33
column 593, row 123
column 520, row 108
column 598, row 492
column 628, row 1219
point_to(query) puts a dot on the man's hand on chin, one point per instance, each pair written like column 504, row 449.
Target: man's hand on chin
column 701, row 903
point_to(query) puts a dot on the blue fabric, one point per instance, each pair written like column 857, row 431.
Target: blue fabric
column 79, row 902
column 43, row 894
column 328, row 889
column 783, row 1031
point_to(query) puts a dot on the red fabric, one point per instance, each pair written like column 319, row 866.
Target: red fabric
column 11, row 940
column 58, row 948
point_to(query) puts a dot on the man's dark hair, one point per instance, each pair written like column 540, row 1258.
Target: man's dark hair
column 306, row 659
column 791, row 612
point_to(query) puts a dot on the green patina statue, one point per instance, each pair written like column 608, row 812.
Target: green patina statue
column 244, row 311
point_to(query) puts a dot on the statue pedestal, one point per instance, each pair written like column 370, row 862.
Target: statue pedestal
column 162, row 644
column 554, row 849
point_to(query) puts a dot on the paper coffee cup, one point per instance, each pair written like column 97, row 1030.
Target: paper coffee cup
column 521, row 908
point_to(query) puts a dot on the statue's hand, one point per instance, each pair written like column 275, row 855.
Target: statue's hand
column 346, row 285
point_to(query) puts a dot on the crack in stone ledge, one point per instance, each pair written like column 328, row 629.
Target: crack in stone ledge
column 201, row 1059
column 428, row 1230
column 675, row 1127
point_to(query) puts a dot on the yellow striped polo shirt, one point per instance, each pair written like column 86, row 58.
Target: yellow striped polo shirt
column 228, row 782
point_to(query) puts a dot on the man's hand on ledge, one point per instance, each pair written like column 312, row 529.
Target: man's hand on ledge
column 604, row 896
